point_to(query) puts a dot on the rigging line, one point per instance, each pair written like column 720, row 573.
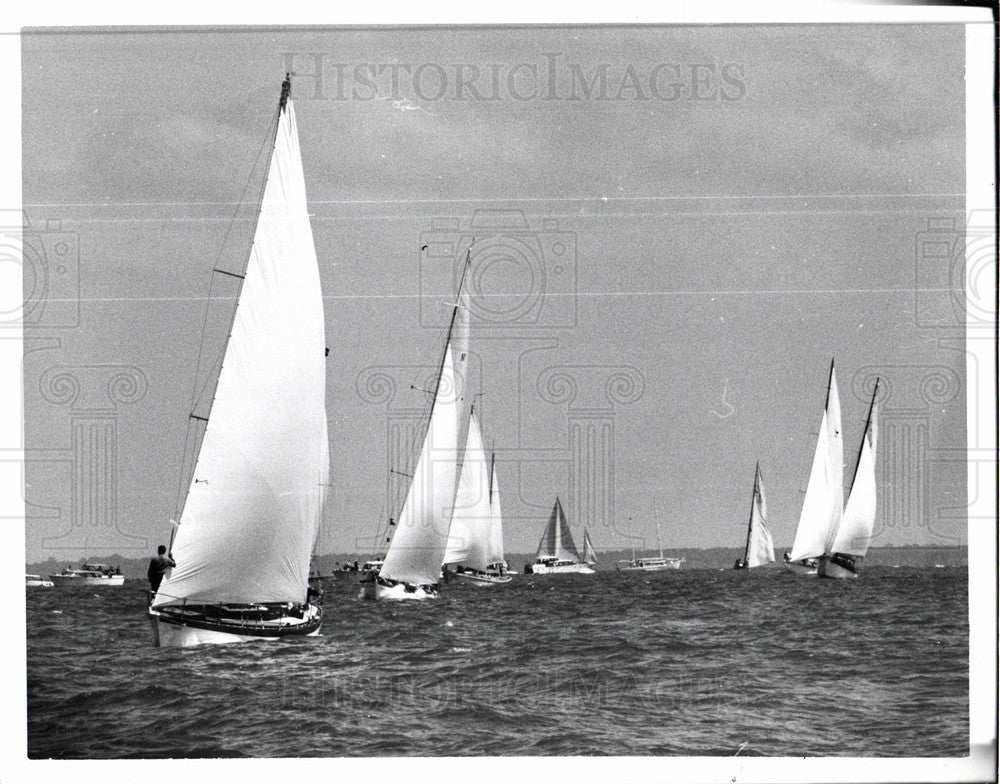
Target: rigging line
column 196, row 396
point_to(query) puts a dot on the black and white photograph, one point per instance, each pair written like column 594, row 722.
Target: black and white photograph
column 502, row 397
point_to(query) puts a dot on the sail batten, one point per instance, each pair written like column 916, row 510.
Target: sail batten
column 252, row 512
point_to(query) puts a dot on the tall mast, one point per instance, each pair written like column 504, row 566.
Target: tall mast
column 829, row 384
column 659, row 539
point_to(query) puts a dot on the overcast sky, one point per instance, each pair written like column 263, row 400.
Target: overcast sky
column 682, row 224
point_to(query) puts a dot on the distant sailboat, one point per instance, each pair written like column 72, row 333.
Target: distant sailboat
column 823, row 504
column 850, row 540
column 253, row 507
column 475, row 542
column 412, row 567
column 556, row 552
column 759, row 548
column 651, row 563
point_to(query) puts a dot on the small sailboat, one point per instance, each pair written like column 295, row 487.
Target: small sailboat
column 850, row 540
column 416, row 554
column 475, row 541
column 556, row 552
column 823, row 504
column 759, row 548
column 253, row 507
column 651, row 563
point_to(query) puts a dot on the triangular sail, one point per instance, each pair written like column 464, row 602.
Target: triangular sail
column 471, row 523
column 824, row 501
column 416, row 553
column 557, row 541
column 760, row 547
column 495, row 550
column 254, row 503
column 589, row 554
column 854, row 533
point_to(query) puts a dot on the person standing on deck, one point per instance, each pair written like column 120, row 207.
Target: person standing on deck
column 158, row 567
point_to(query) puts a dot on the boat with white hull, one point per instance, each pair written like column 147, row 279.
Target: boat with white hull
column 849, row 543
column 37, row 581
column 416, row 554
column 823, row 504
column 654, row 563
column 759, row 548
column 255, row 499
column 89, row 574
column 556, row 552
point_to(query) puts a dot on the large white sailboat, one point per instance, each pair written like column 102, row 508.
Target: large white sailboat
column 475, row 541
column 850, row 540
column 759, row 548
column 556, row 552
column 416, row 554
column 823, row 504
column 253, row 507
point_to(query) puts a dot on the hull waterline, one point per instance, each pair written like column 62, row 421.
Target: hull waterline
column 172, row 632
column 374, row 591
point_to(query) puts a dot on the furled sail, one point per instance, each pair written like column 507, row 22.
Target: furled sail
column 760, row 547
column 589, row 554
column 824, row 501
column 253, row 507
column 858, row 521
column 471, row 523
column 557, row 541
column 416, row 553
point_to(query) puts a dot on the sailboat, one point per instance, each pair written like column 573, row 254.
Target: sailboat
column 556, row 552
column 850, row 540
column 253, row 506
column 651, row 563
column 823, row 504
column 475, row 541
column 759, row 548
column 416, row 554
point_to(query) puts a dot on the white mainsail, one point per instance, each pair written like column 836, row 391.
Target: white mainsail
column 760, row 547
column 824, row 501
column 589, row 554
column 253, row 507
column 557, row 541
column 472, row 521
column 495, row 550
column 854, row 533
column 416, row 553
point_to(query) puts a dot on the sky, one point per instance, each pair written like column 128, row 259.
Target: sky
column 677, row 229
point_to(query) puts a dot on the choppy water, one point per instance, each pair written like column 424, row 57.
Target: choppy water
column 673, row 663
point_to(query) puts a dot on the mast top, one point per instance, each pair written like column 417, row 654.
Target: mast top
column 286, row 91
